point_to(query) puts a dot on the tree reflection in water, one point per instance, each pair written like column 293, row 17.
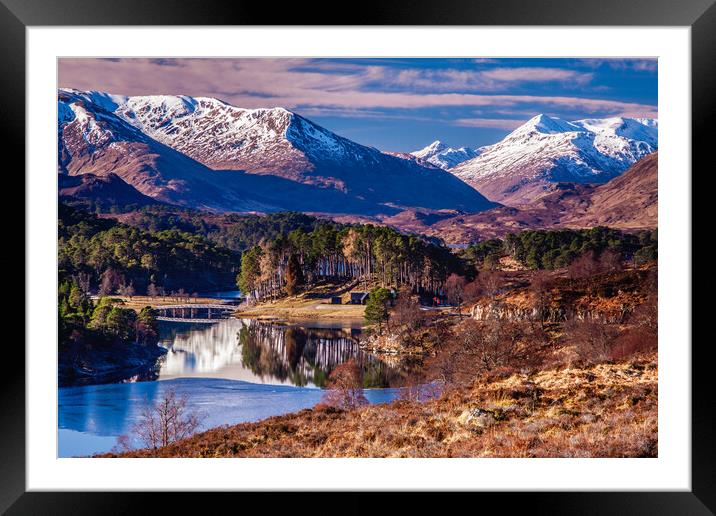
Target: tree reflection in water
column 305, row 356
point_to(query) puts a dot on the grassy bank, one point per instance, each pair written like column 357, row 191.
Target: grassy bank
column 305, row 309
column 314, row 303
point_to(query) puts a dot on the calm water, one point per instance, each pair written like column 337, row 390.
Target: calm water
column 227, row 294
column 232, row 371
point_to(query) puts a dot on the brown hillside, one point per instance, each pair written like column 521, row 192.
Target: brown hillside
column 629, row 201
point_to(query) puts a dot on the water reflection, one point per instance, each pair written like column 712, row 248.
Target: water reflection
column 265, row 352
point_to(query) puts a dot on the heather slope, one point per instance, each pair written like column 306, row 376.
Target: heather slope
column 606, row 410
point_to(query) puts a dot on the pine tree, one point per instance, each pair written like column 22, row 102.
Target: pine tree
column 376, row 310
column 294, row 275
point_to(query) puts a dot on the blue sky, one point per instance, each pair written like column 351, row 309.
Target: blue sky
column 393, row 104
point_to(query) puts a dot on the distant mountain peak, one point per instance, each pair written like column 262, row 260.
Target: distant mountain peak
column 545, row 150
column 443, row 156
column 546, row 124
column 436, row 146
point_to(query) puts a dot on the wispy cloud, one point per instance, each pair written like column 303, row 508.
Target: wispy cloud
column 538, row 75
column 297, row 83
column 492, row 123
column 491, row 80
column 638, row 65
column 455, row 94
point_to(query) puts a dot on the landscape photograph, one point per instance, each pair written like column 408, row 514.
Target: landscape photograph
column 357, row 257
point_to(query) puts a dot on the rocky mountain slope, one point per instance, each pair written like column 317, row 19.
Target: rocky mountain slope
column 527, row 163
column 337, row 175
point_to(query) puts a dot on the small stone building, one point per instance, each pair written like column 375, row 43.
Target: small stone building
column 359, row 298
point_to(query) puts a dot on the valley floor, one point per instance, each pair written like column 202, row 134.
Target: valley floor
column 603, row 410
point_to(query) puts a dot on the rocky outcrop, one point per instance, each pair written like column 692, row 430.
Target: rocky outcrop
column 607, row 298
column 553, row 314
column 392, row 344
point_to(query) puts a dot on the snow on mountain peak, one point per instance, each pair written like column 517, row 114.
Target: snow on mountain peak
column 204, row 128
column 545, row 124
column 642, row 129
column 547, row 149
column 434, row 148
column 442, row 156
column 222, row 136
column 95, row 126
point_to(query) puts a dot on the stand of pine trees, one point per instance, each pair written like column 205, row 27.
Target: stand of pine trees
column 364, row 252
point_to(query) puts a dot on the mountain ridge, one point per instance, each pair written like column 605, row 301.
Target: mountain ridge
column 267, row 142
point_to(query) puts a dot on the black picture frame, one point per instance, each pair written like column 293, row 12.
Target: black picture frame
column 700, row 15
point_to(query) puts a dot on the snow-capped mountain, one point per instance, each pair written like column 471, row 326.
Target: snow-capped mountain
column 303, row 165
column 92, row 140
column 546, row 150
column 440, row 155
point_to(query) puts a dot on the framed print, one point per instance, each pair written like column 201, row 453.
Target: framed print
column 416, row 250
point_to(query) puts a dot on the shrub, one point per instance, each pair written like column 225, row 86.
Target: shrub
column 593, row 341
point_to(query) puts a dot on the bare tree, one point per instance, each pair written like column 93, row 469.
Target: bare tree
column 416, row 390
column 406, row 311
column 345, row 387
column 472, row 291
column 83, row 281
column 110, row 280
column 126, row 290
column 455, row 289
column 646, row 315
column 541, row 292
column 584, row 266
column 166, row 421
column 610, row 261
column 490, row 283
column 643, row 333
column 481, row 346
column 152, row 290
